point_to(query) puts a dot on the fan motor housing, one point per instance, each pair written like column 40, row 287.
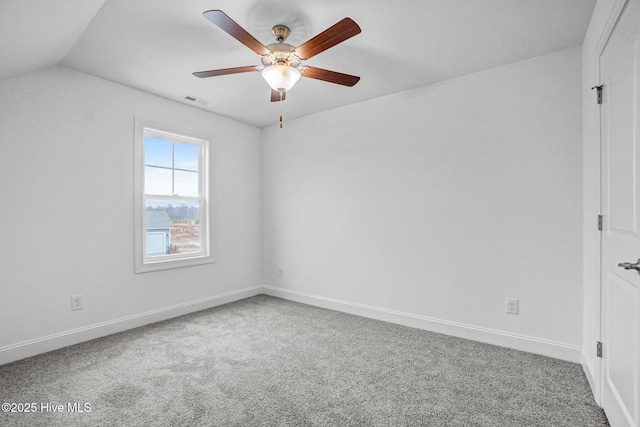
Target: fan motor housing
column 281, row 53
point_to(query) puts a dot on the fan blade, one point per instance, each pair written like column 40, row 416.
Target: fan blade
column 330, row 37
column 329, row 76
column 275, row 96
column 224, row 71
column 228, row 25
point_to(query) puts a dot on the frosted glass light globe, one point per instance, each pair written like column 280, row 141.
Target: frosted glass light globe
column 281, row 77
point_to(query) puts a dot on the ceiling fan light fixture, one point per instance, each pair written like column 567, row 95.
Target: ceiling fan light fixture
column 281, row 77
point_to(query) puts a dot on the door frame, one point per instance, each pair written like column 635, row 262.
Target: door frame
column 615, row 13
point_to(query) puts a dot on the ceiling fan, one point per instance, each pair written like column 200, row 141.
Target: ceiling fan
column 281, row 62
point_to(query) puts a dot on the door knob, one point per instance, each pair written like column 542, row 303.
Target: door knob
column 629, row 266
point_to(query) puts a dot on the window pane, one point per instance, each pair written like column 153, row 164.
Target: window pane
column 186, row 157
column 186, row 183
column 179, row 221
column 157, row 181
column 158, row 152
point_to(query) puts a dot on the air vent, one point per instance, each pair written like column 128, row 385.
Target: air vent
column 195, row 100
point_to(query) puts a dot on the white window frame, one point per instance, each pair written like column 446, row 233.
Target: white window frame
column 144, row 263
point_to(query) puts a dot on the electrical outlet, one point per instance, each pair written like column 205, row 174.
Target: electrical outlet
column 280, row 271
column 512, row 306
column 76, row 302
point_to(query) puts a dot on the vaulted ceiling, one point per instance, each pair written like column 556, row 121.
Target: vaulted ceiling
column 155, row 45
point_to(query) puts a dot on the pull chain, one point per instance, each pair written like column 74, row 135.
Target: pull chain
column 281, row 93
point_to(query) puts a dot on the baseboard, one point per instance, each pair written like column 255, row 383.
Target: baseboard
column 544, row 347
column 548, row 348
column 41, row 345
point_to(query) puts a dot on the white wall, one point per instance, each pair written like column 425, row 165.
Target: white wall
column 66, row 168
column 429, row 206
column 438, row 203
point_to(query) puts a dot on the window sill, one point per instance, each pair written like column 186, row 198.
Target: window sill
column 172, row 263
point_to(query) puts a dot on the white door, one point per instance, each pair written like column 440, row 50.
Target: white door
column 620, row 288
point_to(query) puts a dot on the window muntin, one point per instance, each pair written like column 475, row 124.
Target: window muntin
column 172, row 214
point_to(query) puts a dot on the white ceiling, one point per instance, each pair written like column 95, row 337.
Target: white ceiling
column 155, row 45
column 36, row 34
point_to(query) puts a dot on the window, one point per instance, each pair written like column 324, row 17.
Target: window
column 172, row 198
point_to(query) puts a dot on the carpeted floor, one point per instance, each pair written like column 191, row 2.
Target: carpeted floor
column 265, row 361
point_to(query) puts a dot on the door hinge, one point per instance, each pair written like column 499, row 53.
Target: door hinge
column 599, row 349
column 599, row 91
column 600, row 222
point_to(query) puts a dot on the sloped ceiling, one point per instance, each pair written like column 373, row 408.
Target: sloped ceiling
column 155, row 45
column 36, row 34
